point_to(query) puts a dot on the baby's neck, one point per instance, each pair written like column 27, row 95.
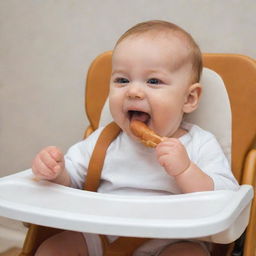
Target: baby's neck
column 180, row 132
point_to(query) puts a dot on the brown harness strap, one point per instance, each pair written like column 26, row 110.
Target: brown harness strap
column 109, row 133
column 123, row 246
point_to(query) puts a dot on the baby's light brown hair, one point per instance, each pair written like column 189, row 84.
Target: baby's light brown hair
column 163, row 26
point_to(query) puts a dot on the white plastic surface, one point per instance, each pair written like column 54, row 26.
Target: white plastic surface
column 217, row 216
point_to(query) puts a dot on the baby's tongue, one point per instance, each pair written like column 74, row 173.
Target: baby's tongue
column 140, row 116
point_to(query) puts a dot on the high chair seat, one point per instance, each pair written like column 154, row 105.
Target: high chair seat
column 219, row 216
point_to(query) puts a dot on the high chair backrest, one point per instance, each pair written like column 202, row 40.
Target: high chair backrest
column 213, row 114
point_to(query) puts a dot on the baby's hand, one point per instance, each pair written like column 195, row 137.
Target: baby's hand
column 48, row 163
column 172, row 155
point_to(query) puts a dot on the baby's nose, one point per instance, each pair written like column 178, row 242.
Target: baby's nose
column 135, row 91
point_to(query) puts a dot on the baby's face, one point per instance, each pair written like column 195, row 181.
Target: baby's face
column 150, row 82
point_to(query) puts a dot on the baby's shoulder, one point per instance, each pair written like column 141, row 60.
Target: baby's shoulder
column 95, row 134
column 197, row 134
column 88, row 143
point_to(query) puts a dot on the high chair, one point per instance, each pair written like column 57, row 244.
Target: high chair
column 239, row 76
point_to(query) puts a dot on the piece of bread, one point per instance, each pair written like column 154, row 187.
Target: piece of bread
column 147, row 136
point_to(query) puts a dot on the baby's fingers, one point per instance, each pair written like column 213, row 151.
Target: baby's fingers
column 48, row 161
column 165, row 147
column 163, row 159
column 170, row 145
column 55, row 153
column 41, row 170
column 169, row 142
column 45, row 166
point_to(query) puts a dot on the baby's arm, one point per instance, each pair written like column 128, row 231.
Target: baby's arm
column 173, row 156
column 49, row 165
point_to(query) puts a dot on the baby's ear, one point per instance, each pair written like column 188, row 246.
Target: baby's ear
column 192, row 98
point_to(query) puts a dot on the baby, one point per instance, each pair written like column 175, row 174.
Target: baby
column 156, row 68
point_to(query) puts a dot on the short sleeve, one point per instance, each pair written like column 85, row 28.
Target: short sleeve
column 78, row 157
column 212, row 160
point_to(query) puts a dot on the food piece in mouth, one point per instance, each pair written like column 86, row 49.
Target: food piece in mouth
column 139, row 115
column 147, row 136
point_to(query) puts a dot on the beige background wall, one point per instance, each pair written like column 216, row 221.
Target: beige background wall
column 46, row 47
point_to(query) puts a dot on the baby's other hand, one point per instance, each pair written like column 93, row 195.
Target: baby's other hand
column 172, row 155
column 48, row 163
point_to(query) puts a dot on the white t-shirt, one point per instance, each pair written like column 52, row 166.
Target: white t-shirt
column 131, row 168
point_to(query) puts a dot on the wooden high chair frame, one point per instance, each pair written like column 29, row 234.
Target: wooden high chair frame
column 239, row 75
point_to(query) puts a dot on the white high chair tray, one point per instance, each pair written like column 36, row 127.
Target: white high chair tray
column 217, row 216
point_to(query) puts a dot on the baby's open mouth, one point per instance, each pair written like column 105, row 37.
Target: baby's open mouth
column 139, row 115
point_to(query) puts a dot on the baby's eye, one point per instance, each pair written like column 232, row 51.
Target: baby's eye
column 121, row 80
column 154, row 81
